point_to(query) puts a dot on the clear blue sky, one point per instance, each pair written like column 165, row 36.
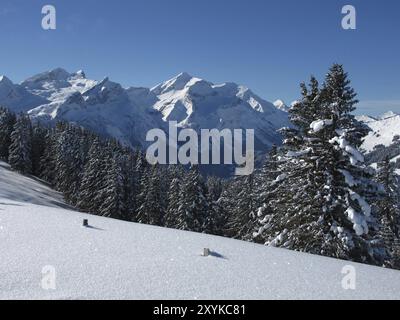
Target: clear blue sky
column 268, row 45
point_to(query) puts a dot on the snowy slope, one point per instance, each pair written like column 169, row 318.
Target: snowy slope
column 383, row 131
column 16, row 97
column 128, row 113
column 25, row 189
column 115, row 259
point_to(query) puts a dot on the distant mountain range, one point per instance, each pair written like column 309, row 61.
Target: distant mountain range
column 128, row 113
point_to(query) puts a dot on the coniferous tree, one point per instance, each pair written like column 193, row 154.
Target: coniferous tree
column 7, row 122
column 321, row 205
column 216, row 218
column 389, row 209
column 266, row 188
column 20, row 150
column 92, row 180
column 113, row 190
column 193, row 206
column 39, row 134
column 171, row 215
column 47, row 165
column 151, row 210
column 69, row 162
column 243, row 216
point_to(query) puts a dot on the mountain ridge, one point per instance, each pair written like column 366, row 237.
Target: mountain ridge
column 127, row 114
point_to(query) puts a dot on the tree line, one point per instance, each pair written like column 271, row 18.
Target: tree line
column 314, row 194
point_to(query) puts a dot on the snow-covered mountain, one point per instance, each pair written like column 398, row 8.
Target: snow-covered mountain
column 128, row 113
column 383, row 140
column 114, row 259
column 281, row 105
column 16, row 97
column 383, row 130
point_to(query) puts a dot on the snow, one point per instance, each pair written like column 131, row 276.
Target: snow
column 348, row 178
column 354, row 155
column 24, row 189
column 120, row 260
column 383, row 130
column 319, row 125
column 279, row 104
column 296, row 154
column 359, row 224
column 281, row 177
column 365, row 207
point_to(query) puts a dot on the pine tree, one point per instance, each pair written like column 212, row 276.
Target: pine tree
column 321, row 205
column 92, row 180
column 39, row 141
column 176, row 179
column 389, row 208
column 20, row 150
column 216, row 218
column 243, row 216
column 227, row 203
column 193, row 206
column 266, row 187
column 69, row 162
column 47, row 165
column 113, row 192
column 151, row 210
column 7, row 122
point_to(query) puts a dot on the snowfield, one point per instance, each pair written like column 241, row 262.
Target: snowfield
column 119, row 260
column 383, row 130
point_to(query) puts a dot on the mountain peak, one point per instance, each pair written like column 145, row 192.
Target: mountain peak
column 57, row 74
column 279, row 104
column 387, row 115
column 80, row 74
column 176, row 83
column 5, row 80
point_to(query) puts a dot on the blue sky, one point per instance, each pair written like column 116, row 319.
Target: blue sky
column 268, row 45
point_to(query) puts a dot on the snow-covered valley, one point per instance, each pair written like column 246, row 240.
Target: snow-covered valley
column 119, row 260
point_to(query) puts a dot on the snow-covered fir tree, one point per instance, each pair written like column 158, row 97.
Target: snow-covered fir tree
column 216, row 219
column 389, row 208
column 152, row 210
column 172, row 214
column 193, row 206
column 7, row 122
column 112, row 192
column 20, row 150
column 267, row 180
column 69, row 162
column 92, row 179
column 47, row 165
column 321, row 205
column 243, row 216
column 39, row 135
